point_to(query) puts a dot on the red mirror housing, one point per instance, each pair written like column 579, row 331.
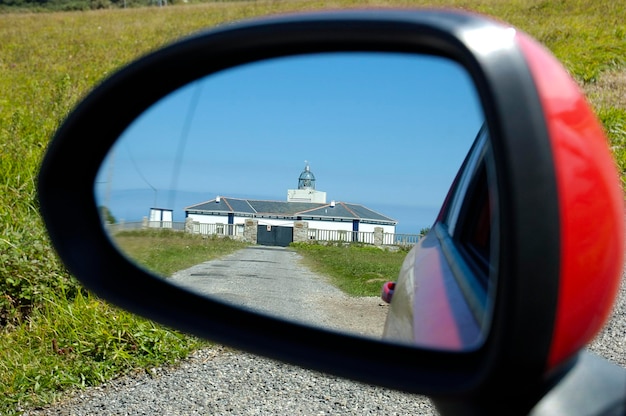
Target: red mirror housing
column 591, row 206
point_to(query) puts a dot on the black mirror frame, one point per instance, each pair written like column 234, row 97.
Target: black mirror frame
column 517, row 346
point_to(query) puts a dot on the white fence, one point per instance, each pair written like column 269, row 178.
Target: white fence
column 236, row 231
column 388, row 239
column 232, row 230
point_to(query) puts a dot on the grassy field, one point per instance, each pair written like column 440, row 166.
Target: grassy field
column 56, row 336
column 357, row 270
column 165, row 252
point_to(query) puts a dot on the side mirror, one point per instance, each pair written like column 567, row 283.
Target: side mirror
column 531, row 228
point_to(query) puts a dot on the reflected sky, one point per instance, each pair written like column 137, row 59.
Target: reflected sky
column 388, row 131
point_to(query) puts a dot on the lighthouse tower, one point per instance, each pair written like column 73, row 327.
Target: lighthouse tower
column 306, row 191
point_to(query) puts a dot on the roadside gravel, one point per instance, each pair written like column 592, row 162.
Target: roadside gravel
column 274, row 281
column 222, row 381
column 610, row 343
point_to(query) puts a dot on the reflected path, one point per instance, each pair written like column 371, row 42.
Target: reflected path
column 273, row 281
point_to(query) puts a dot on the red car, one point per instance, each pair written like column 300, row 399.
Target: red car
column 444, row 295
column 494, row 306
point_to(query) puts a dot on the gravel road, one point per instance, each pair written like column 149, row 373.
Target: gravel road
column 221, row 381
column 272, row 280
column 610, row 343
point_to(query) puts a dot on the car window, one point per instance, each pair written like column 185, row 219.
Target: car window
column 473, row 230
column 468, row 216
column 466, row 178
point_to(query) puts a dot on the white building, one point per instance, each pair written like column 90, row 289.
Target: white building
column 161, row 218
column 304, row 204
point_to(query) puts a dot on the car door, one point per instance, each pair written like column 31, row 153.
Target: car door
column 441, row 299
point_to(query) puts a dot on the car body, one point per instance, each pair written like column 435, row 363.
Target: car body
column 441, row 299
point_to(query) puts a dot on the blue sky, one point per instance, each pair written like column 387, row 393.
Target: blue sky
column 388, row 131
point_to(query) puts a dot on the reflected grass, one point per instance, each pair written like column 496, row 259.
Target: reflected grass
column 165, row 252
column 358, row 270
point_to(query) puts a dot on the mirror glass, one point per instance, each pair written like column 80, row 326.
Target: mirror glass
column 295, row 186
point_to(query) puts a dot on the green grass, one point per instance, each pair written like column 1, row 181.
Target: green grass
column 49, row 61
column 77, row 342
column 165, row 252
column 358, row 270
column 614, row 120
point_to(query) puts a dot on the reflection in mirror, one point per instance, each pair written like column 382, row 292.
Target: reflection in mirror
column 294, row 186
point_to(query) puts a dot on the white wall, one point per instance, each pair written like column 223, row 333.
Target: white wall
column 306, row 195
column 215, row 219
column 275, row 222
column 330, row 225
column 313, row 224
column 369, row 228
column 157, row 214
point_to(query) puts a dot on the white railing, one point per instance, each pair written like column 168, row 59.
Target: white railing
column 341, row 236
column 237, row 231
column 387, row 239
column 234, row 230
column 402, row 239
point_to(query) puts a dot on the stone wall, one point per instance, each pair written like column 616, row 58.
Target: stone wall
column 379, row 236
column 250, row 231
column 300, row 232
column 189, row 225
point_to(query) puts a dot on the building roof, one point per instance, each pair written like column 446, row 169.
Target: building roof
column 337, row 211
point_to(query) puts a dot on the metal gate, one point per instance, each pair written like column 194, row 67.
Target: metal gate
column 272, row 235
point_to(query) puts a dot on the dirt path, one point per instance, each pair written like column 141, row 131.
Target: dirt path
column 273, row 280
